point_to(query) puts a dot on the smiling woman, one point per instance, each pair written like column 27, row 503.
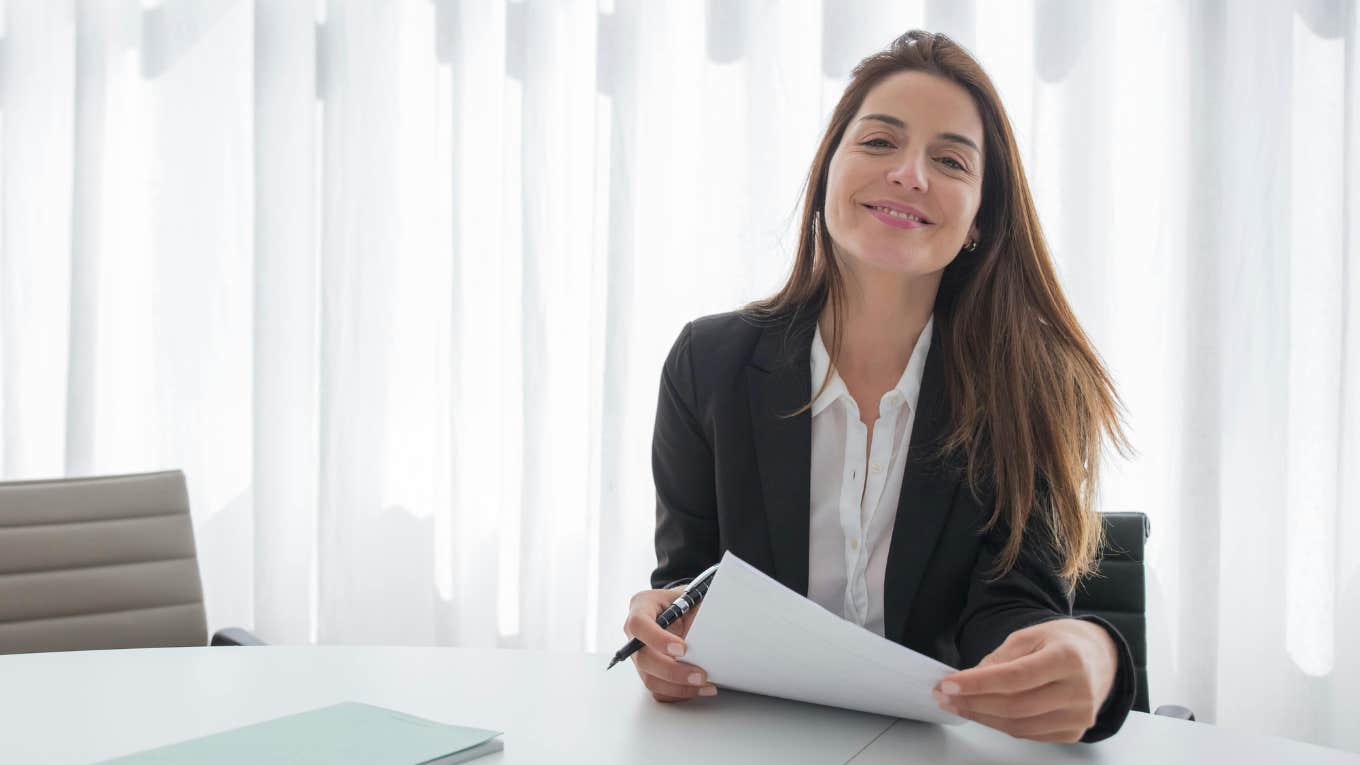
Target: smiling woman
column 920, row 132
column 908, row 431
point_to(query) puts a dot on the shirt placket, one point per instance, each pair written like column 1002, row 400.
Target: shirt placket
column 856, row 434
column 880, row 457
column 893, row 461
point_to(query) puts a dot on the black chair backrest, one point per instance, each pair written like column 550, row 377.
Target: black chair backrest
column 1116, row 593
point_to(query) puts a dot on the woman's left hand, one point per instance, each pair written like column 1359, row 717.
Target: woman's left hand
column 1045, row 683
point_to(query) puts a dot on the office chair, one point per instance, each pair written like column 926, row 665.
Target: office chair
column 101, row 562
column 1116, row 594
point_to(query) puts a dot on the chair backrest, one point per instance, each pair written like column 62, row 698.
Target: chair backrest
column 100, row 562
column 1116, row 594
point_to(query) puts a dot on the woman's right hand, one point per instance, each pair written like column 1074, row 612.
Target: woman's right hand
column 657, row 661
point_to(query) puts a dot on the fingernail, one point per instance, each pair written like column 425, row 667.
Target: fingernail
column 696, row 679
column 675, row 649
column 949, row 686
column 708, row 690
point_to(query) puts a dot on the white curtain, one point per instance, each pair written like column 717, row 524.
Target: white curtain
column 392, row 283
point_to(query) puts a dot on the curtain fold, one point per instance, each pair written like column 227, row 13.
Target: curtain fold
column 393, row 281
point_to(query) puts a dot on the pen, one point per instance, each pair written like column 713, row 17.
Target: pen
column 688, row 599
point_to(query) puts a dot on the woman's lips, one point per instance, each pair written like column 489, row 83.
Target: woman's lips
column 893, row 220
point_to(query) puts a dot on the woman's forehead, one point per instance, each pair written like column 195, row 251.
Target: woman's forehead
column 923, row 101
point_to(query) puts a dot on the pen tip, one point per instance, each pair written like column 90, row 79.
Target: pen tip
column 611, row 665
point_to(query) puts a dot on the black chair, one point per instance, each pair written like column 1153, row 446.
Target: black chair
column 1116, row 593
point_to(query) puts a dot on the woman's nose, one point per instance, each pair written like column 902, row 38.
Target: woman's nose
column 910, row 171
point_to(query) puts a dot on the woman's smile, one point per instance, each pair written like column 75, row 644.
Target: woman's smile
column 897, row 218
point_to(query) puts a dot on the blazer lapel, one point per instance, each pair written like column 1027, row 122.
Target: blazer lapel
column 927, row 491
column 779, row 381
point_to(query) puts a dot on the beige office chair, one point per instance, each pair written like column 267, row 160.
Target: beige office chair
column 101, row 562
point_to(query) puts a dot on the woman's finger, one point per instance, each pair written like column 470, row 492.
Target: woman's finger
column 651, row 635
column 641, row 623
column 660, row 687
column 650, row 661
column 1013, row 676
column 1037, row 701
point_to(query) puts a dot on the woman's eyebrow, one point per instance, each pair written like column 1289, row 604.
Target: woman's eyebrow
column 951, row 137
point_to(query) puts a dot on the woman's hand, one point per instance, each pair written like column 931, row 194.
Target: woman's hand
column 1045, row 683
column 656, row 662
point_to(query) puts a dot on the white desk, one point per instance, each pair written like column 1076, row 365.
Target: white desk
column 81, row 707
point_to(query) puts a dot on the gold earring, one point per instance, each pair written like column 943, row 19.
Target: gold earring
column 971, row 246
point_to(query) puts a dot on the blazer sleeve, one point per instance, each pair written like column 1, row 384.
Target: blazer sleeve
column 682, row 469
column 1031, row 593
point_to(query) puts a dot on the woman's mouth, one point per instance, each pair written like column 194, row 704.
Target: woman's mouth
column 895, row 218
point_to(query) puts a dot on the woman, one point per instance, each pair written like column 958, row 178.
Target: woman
column 908, row 432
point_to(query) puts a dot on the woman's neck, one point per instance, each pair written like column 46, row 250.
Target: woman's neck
column 882, row 321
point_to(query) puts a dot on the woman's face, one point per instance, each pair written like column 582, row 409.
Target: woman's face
column 906, row 180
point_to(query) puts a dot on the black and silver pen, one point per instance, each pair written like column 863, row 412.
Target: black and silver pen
column 694, row 592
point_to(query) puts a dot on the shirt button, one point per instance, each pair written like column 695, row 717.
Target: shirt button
column 854, row 543
column 877, row 467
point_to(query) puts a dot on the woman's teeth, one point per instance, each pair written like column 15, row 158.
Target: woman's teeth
column 896, row 214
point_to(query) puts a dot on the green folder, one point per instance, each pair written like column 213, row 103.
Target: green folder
column 343, row 733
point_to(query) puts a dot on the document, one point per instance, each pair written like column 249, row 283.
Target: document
column 341, row 733
column 753, row 634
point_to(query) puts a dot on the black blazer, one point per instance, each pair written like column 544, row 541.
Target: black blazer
column 732, row 475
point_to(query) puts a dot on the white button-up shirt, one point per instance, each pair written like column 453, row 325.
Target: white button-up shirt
column 854, row 496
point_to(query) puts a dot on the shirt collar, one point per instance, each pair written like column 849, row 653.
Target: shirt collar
column 821, row 362
column 908, row 386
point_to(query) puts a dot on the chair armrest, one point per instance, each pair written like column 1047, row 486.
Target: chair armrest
column 235, row 636
column 1171, row 710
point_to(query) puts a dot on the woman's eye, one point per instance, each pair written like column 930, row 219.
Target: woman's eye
column 954, row 163
column 881, row 143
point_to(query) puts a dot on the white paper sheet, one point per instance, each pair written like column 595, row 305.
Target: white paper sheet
column 753, row 634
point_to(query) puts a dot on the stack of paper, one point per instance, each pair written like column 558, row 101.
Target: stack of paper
column 753, row 634
column 348, row 732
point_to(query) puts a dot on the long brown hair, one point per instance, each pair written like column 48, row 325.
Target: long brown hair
column 1030, row 402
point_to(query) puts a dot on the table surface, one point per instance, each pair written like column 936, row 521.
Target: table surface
column 81, row 707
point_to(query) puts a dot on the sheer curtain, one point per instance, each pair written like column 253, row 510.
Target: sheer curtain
column 392, row 283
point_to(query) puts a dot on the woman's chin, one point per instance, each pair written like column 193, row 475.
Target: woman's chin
column 906, row 264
